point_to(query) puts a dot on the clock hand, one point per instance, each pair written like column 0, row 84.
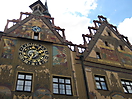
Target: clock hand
column 31, row 56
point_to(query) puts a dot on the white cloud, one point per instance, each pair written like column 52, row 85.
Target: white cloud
column 125, row 28
column 64, row 6
column 72, row 15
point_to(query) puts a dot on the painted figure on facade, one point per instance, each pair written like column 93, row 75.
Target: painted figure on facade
column 9, row 47
column 59, row 56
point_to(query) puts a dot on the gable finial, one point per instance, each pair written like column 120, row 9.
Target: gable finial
column 46, row 4
column 47, row 11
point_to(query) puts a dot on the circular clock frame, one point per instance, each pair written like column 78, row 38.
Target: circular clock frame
column 36, row 28
column 33, row 54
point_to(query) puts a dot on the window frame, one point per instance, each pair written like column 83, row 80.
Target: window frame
column 62, row 83
column 125, row 86
column 99, row 82
column 24, row 82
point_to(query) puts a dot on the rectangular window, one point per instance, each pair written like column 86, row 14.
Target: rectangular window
column 109, row 34
column 62, row 85
column 98, row 55
column 121, row 48
column 36, row 36
column 100, row 82
column 106, row 43
column 24, row 82
column 127, row 86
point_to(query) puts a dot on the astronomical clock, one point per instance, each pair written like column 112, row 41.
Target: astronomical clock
column 33, row 54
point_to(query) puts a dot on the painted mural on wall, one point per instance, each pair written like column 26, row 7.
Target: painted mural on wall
column 6, row 75
column 126, row 58
column 108, row 54
column 9, row 48
column 49, row 37
column 59, row 56
column 7, row 68
column 42, row 94
column 23, row 31
column 5, row 93
column 26, row 30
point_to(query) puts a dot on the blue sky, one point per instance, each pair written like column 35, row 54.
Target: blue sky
column 115, row 10
column 75, row 15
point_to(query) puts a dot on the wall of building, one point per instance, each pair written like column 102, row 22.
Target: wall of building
column 58, row 64
column 113, row 80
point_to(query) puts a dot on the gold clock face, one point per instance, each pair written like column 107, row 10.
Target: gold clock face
column 33, row 54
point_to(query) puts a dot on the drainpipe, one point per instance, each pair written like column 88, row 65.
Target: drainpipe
column 84, row 75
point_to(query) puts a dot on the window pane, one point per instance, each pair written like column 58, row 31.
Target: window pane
column 125, row 90
column 127, row 83
column 61, row 86
column 122, row 82
column 28, row 83
column 20, row 82
column 67, row 81
column 61, row 80
column 36, row 36
column 104, row 88
column 98, row 85
column 27, row 88
column 62, row 91
column 20, row 76
column 55, row 79
column 55, row 91
column 29, row 77
column 55, row 86
column 96, row 78
column 130, row 91
column 128, row 87
column 68, row 92
column 102, row 79
column 68, row 86
column 103, row 84
column 20, row 88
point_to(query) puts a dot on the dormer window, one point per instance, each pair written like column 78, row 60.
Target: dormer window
column 106, row 43
column 121, row 48
column 98, row 55
column 36, row 36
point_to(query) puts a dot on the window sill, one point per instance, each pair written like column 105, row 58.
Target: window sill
column 62, row 94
